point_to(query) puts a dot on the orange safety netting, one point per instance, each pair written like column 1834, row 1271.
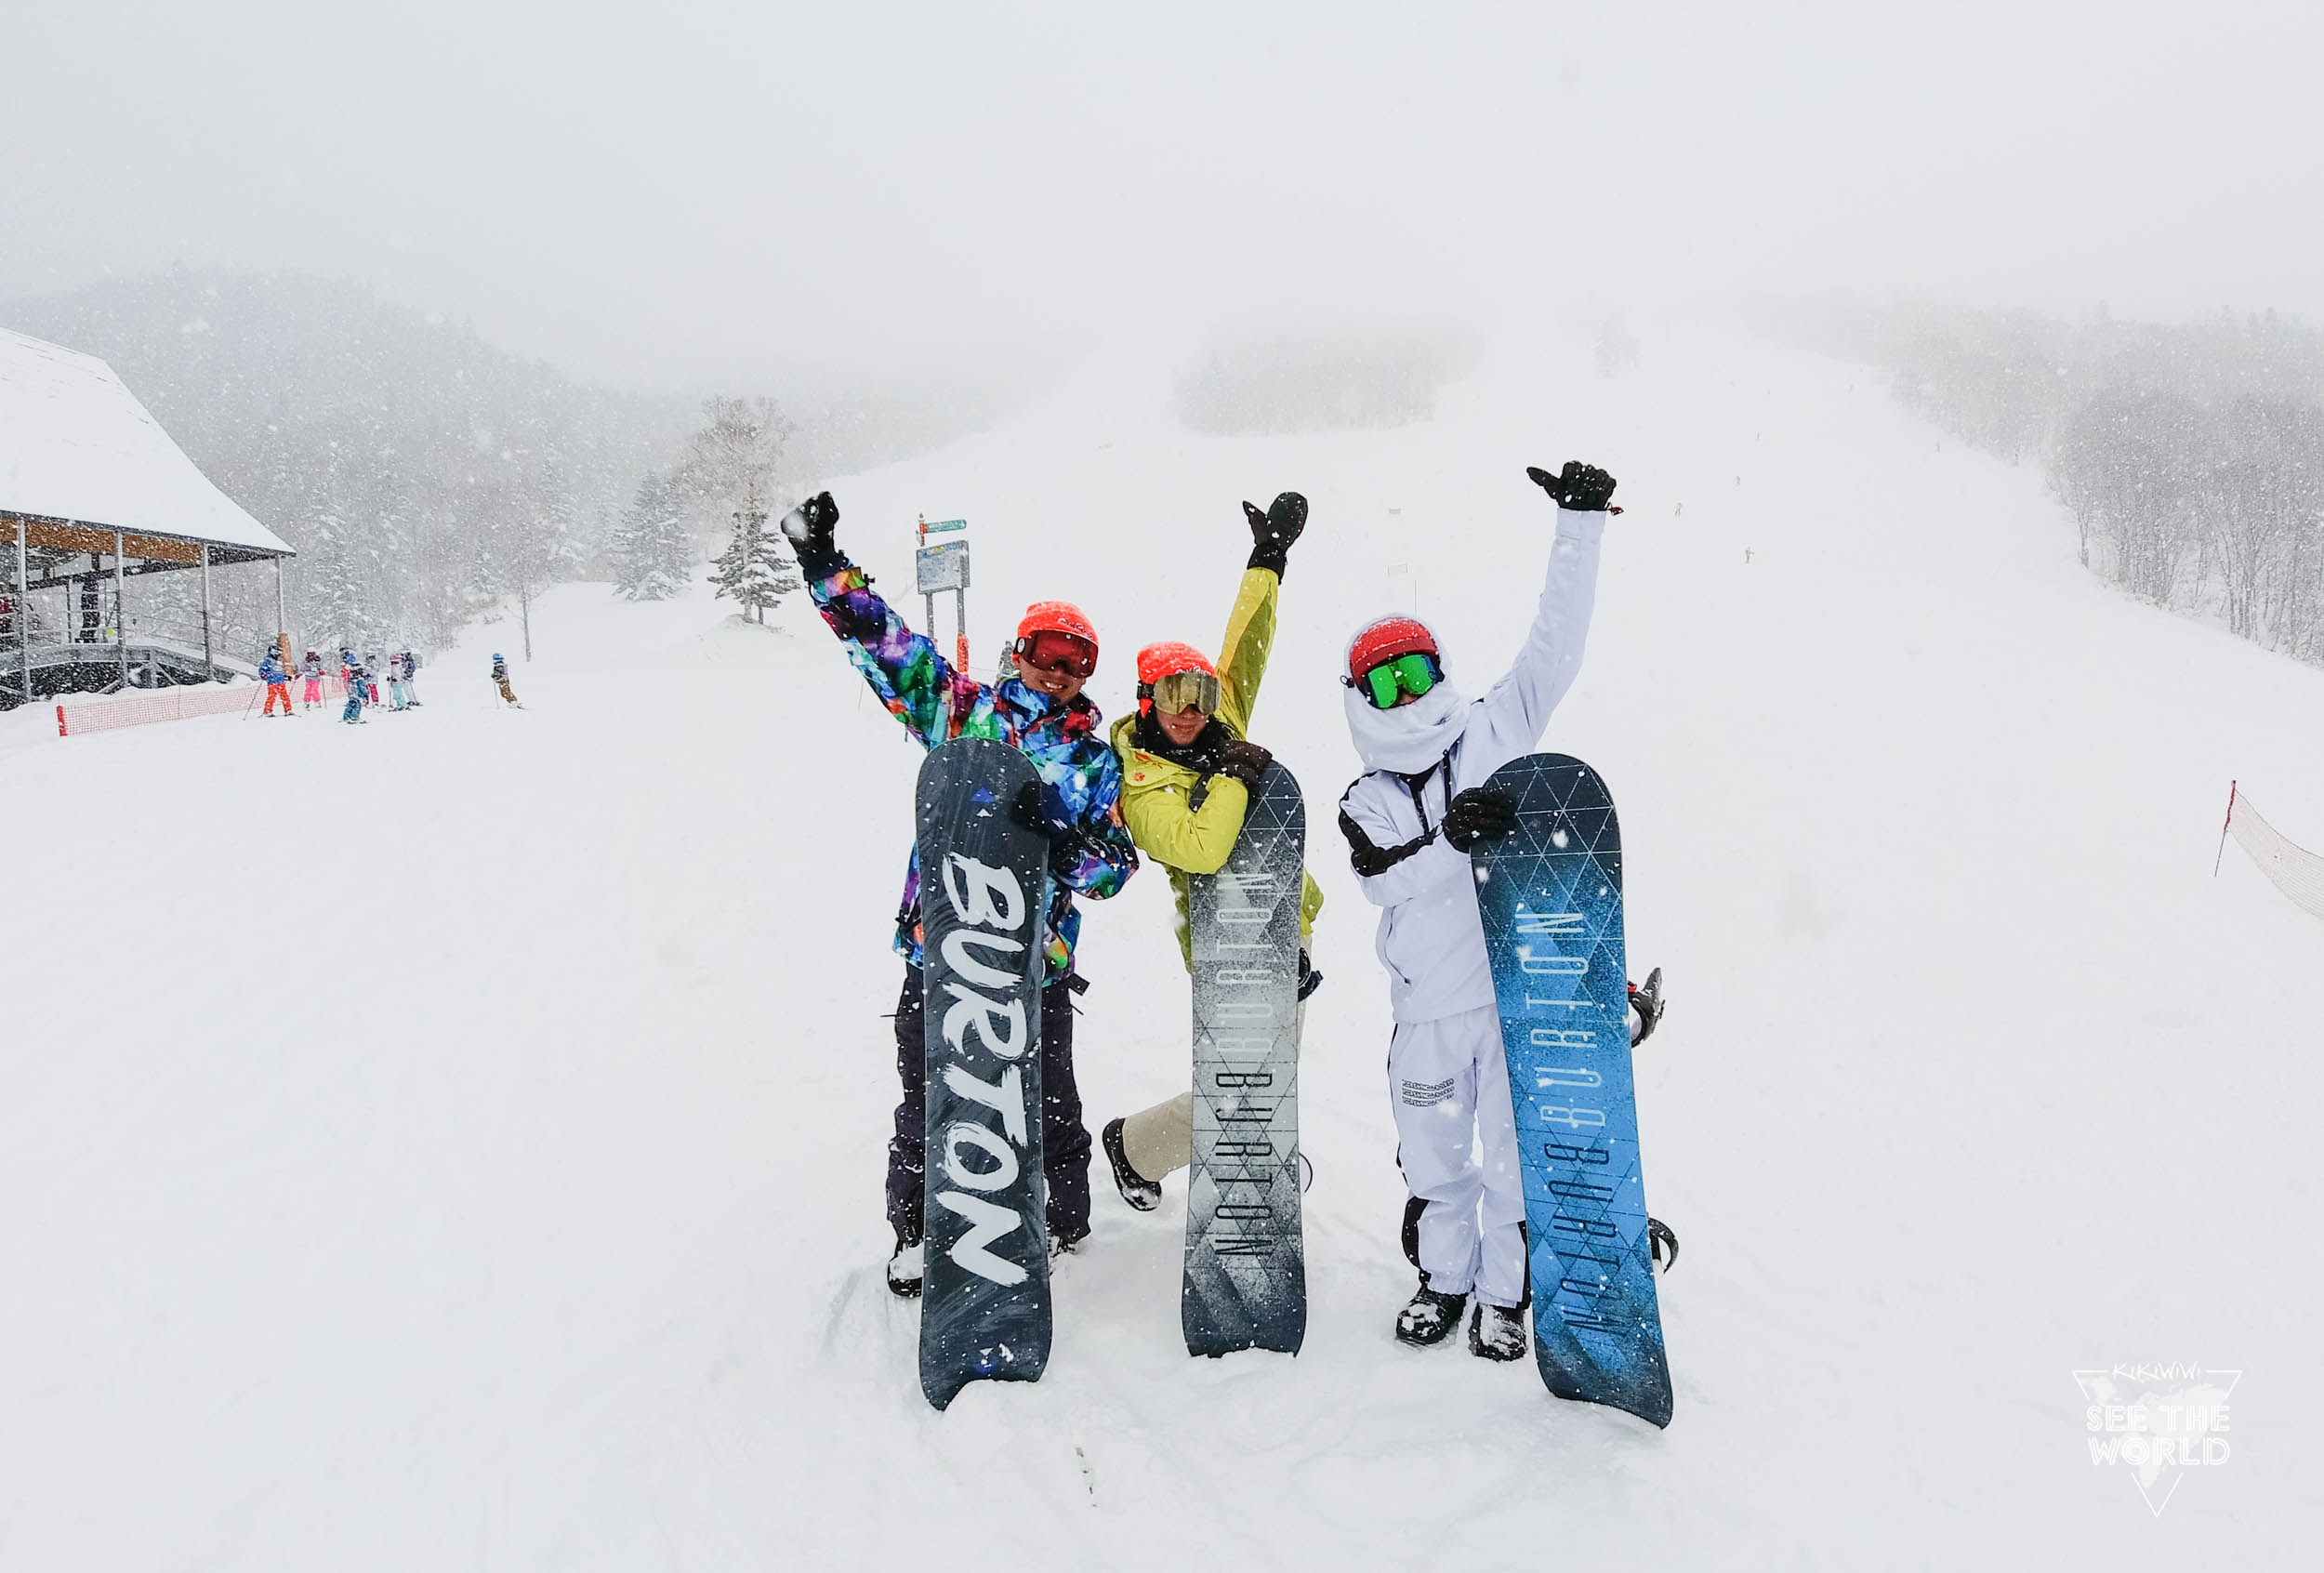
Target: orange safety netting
column 2290, row 866
column 173, row 704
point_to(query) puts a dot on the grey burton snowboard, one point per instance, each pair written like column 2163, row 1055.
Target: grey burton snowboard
column 984, row 903
column 1246, row 1284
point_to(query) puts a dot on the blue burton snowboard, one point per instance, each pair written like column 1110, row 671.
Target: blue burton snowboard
column 984, row 1311
column 1246, row 1282
column 1550, row 895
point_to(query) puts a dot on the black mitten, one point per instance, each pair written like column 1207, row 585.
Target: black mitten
column 1478, row 815
column 1582, row 487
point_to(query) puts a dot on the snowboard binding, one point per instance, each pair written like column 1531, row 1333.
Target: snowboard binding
column 1647, row 1004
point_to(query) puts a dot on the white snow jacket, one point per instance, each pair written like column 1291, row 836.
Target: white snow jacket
column 1432, row 940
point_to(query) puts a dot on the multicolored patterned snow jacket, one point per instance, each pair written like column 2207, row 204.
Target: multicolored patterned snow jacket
column 1081, row 780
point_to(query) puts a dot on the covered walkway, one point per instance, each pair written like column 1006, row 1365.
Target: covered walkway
column 94, row 493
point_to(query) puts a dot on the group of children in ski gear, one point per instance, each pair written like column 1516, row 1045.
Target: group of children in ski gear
column 362, row 681
column 1175, row 785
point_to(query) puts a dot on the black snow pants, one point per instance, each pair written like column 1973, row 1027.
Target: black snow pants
column 1064, row 1141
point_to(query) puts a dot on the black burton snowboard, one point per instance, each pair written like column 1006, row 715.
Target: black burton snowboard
column 984, row 902
column 1245, row 1265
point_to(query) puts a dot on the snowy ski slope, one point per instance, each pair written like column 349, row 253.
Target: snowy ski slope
column 458, row 1145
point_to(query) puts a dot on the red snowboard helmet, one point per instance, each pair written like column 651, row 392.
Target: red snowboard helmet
column 1055, row 633
column 1386, row 640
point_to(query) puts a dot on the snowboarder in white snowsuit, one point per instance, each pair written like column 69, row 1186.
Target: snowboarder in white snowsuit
column 1410, row 822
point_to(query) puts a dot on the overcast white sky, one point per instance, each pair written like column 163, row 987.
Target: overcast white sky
column 679, row 192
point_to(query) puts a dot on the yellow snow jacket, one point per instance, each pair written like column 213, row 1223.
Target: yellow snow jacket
column 1158, row 796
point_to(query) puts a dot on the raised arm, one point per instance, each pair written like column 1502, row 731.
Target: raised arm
column 1516, row 710
column 1250, row 627
column 911, row 677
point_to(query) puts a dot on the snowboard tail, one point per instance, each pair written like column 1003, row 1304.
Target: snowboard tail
column 1550, row 895
column 983, row 908
column 1245, row 1279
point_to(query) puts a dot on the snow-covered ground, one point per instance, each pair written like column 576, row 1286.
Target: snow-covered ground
column 456, row 1143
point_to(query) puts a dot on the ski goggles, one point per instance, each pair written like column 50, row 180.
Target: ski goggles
column 1414, row 674
column 1052, row 651
column 1188, row 691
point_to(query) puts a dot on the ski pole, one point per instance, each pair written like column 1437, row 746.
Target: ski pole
column 2223, row 830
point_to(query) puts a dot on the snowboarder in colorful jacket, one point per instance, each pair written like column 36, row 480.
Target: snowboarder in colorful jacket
column 1410, row 822
column 1041, row 712
column 1188, row 773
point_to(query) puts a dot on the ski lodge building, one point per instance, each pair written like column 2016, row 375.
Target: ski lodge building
column 94, row 493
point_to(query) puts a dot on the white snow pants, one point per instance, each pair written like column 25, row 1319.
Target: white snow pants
column 1449, row 1083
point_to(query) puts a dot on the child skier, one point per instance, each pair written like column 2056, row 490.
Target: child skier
column 1187, row 777
column 411, row 674
column 395, row 682
column 1041, row 711
column 500, row 676
column 277, row 680
column 1410, row 822
column 312, row 670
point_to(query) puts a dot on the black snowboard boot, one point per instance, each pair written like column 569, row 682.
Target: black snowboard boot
column 1665, row 1245
column 1060, row 1245
column 1498, row 1333
column 904, row 1269
column 1135, row 1189
column 1429, row 1317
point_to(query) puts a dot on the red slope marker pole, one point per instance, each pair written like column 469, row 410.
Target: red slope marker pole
column 2223, row 830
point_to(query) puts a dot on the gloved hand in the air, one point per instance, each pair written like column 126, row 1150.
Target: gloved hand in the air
column 1582, row 487
column 1246, row 761
column 1478, row 815
column 1273, row 532
column 809, row 528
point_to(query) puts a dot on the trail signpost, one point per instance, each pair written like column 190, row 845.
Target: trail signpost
column 944, row 566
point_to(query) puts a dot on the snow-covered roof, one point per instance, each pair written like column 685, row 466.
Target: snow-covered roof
column 75, row 445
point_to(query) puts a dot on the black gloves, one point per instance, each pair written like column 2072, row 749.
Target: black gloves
column 1478, row 815
column 809, row 529
column 1245, row 761
column 1025, row 809
column 1273, row 532
column 1582, row 487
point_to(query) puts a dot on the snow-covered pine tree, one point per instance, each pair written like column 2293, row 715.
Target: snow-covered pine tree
column 755, row 568
column 652, row 552
column 728, row 476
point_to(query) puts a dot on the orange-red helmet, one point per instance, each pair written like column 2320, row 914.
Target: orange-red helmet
column 1158, row 661
column 1056, row 634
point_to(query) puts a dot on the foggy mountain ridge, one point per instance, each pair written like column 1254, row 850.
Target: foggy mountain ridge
column 420, row 471
column 2190, row 455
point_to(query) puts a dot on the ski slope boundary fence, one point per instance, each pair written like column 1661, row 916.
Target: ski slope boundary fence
column 2290, row 866
column 174, row 703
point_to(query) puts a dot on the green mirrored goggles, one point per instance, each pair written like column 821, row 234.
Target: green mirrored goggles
column 1414, row 674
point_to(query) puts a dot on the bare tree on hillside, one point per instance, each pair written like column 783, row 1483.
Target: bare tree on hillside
column 727, row 478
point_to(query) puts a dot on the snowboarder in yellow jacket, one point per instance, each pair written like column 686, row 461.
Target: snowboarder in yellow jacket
column 1187, row 774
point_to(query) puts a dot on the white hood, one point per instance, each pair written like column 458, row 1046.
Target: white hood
column 1410, row 737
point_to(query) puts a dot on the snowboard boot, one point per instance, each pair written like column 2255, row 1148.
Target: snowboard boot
column 1135, row 1189
column 1665, row 1245
column 904, row 1269
column 1429, row 1317
column 1060, row 1245
column 1498, row 1333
